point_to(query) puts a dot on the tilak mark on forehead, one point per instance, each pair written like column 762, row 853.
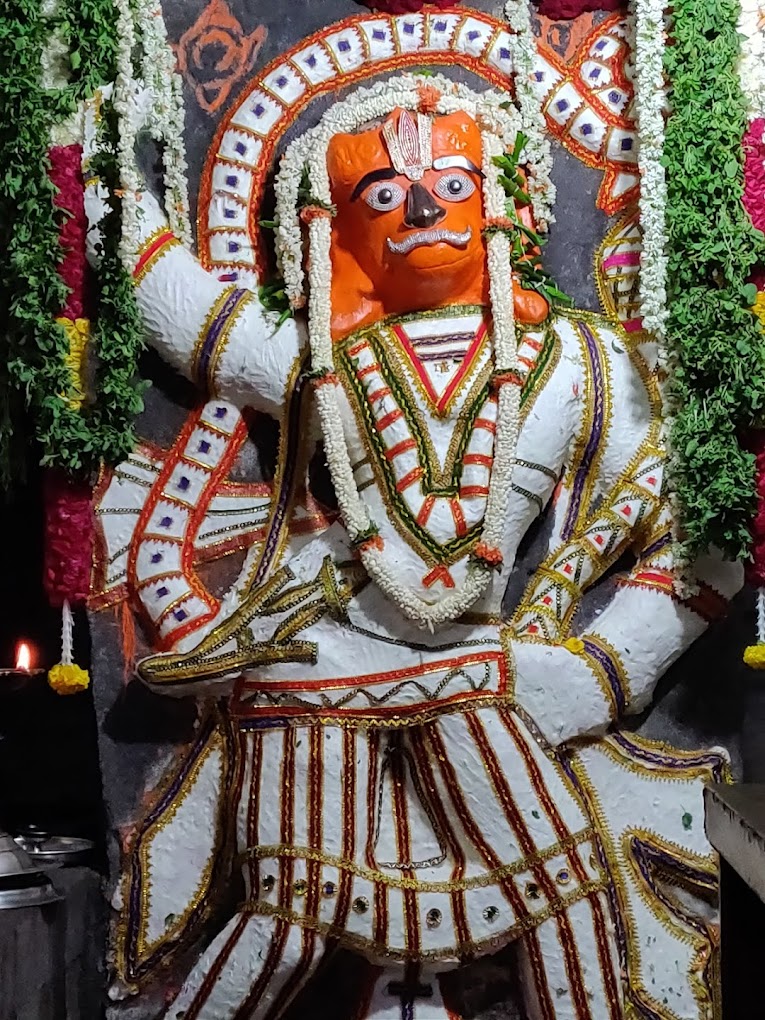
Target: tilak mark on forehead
column 411, row 152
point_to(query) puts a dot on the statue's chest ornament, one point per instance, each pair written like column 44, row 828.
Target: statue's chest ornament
column 428, row 417
column 441, row 361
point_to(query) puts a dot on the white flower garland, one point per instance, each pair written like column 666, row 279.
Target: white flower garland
column 125, row 100
column 498, row 130
column 538, row 152
column 155, row 101
column 166, row 114
column 650, row 103
column 650, row 98
column 751, row 27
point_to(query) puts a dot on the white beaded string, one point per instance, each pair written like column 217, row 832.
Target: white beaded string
column 67, row 634
column 761, row 616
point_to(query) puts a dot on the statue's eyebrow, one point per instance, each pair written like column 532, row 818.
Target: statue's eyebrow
column 387, row 173
column 445, row 162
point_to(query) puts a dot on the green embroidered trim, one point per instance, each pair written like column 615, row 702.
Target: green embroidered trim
column 449, row 552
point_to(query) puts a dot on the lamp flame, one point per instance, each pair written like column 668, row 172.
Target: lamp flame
column 23, row 656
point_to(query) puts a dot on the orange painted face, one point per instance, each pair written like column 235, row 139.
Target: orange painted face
column 405, row 241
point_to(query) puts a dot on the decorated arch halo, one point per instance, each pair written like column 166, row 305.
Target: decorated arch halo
column 344, row 54
column 587, row 107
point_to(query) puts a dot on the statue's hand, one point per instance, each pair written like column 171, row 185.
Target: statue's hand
column 559, row 691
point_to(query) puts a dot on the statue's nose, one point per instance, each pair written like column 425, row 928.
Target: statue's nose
column 422, row 210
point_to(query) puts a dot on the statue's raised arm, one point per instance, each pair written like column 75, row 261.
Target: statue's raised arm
column 215, row 333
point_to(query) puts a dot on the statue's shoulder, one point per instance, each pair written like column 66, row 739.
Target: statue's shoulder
column 605, row 349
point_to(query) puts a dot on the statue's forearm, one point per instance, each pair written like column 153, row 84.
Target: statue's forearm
column 579, row 687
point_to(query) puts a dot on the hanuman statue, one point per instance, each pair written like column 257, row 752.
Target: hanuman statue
column 411, row 744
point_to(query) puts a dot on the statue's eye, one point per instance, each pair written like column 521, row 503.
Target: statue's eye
column 454, row 187
column 385, row 195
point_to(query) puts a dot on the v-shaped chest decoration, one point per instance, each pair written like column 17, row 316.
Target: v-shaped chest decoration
column 441, row 358
column 429, row 447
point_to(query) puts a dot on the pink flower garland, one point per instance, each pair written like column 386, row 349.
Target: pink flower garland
column 68, row 511
column 66, row 175
column 407, row 6
column 754, row 173
column 565, row 10
column 68, row 539
column 754, row 202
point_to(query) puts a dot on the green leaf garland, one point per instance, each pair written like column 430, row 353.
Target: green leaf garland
column 718, row 388
column 33, row 366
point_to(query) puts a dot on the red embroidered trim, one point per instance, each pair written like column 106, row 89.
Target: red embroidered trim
column 409, row 479
column 195, row 519
column 441, row 403
column 165, row 238
column 438, row 574
column 402, row 447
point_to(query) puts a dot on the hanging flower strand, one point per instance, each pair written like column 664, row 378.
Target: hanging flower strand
column 166, row 112
column 500, row 125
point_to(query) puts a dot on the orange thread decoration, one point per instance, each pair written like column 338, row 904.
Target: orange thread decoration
column 489, row 554
column 429, row 98
column 499, row 223
column 323, row 380
column 373, row 542
column 314, row 212
column 505, row 378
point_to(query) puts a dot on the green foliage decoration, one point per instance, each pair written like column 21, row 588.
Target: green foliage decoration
column 525, row 244
column 33, row 374
column 717, row 354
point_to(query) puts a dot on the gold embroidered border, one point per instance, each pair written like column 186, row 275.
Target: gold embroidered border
column 221, row 736
column 468, row 703
column 144, row 268
column 477, row 882
column 460, row 950
column 617, row 862
column 616, row 660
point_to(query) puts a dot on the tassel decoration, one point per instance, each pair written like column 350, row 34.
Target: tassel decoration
column 754, row 655
column 67, row 677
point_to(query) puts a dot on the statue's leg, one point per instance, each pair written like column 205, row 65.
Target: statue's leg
column 569, row 965
column 251, row 971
